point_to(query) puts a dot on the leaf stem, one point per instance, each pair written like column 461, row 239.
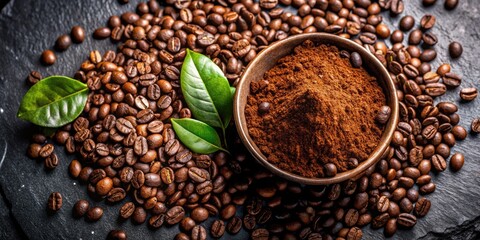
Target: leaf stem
column 224, row 138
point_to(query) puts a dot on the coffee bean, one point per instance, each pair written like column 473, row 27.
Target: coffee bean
column 116, row 195
column 429, row 39
column 156, row 221
column 48, row 57
column 249, row 221
column 407, row 23
column 383, row 204
column 234, row 225
column 427, row 21
column 455, row 49
column 139, row 215
column 199, row 233
column 415, row 37
column 94, row 214
column 264, row 108
column 354, row 233
column 80, row 208
column 117, row 235
column 46, row 150
column 101, row 33
column 78, row 34
column 330, row 170
column 55, row 201
column 452, row 80
column 475, row 125
column 199, row 214
column 127, row 210
column 51, row 161
column 351, row 217
column 390, row 227
column 260, row 234
column 380, row 220
column 218, row 229
column 456, row 161
column 406, row 220
column 422, row 207
column 175, row 215
column 459, row 132
column 427, row 188
column 355, row 60
column 468, row 94
column 63, row 43
column 439, row 163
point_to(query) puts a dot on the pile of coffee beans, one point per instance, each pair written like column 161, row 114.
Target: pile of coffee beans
column 129, row 154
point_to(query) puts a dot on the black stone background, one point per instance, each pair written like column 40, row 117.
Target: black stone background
column 27, row 27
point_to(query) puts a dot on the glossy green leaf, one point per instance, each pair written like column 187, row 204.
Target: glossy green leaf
column 53, row 101
column 232, row 89
column 206, row 90
column 197, row 136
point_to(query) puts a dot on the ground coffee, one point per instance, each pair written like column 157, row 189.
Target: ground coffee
column 321, row 110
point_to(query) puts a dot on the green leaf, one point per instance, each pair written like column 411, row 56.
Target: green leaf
column 232, row 89
column 206, row 90
column 197, row 136
column 53, row 101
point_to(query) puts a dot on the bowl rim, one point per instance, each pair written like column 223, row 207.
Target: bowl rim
column 386, row 137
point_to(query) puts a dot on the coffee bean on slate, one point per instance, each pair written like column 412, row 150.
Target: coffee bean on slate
column 187, row 224
column 80, row 208
column 450, row 4
column 78, row 34
column 383, row 114
column 427, row 188
column 234, row 225
column 455, row 49
column 182, row 236
column 390, row 227
column 117, row 234
column 34, row 77
column 427, row 21
column 468, row 94
column 46, row 150
column 356, row 59
column 33, row 150
column 156, row 221
column 63, row 42
column 48, row 57
column 217, row 229
column 407, row 23
column 456, row 161
column 175, row 215
column 199, row 214
column 101, row 33
column 264, row 108
column 260, row 234
column 55, row 201
column 127, row 210
column 198, row 233
column 422, row 207
column 475, row 125
column 406, row 220
column 351, row 217
column 380, row 220
column 354, row 233
column 139, row 215
column 383, row 204
column 439, row 162
column 94, row 214
column 51, row 161
column 249, row 221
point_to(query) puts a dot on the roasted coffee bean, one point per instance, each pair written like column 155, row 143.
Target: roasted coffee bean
column 51, row 161
column 422, row 207
column 452, row 80
column 427, row 21
column 234, row 225
column 355, row 60
column 439, row 163
column 429, row 39
column 330, row 170
column 117, row 235
column 218, row 229
column 63, row 42
column 116, row 195
column 156, row 221
column 390, row 227
column 383, row 204
column 260, row 234
column 127, row 210
column 468, row 94
column 94, row 214
column 406, row 220
column 80, row 208
column 460, row 132
column 34, row 77
column 383, row 114
column 101, row 33
column 249, row 221
column 48, row 57
column 78, row 34
column 199, row 233
column 46, row 150
column 199, row 214
column 354, row 233
column 455, row 49
column 139, row 215
column 55, row 201
column 380, row 220
column 263, row 108
column 351, row 217
column 415, row 37
column 427, row 188
column 175, row 215
column 456, row 161
column 407, row 23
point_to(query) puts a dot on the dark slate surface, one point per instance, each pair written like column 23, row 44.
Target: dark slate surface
column 30, row 26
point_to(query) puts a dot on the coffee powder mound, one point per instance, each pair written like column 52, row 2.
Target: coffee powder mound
column 322, row 110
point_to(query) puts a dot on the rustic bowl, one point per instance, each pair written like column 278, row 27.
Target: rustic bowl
column 267, row 58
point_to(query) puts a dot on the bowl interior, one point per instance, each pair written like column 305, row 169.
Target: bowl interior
column 268, row 58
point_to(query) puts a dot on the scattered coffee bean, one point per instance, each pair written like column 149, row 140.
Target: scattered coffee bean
column 55, row 201
column 48, row 57
column 63, row 42
column 475, row 126
column 330, row 170
column 356, row 60
column 427, row 21
column 218, row 229
column 101, row 33
column 468, row 94
column 34, row 77
column 78, row 34
column 407, row 23
column 455, row 49
column 94, row 214
column 264, row 108
column 117, row 235
column 80, row 208
column 456, row 162
column 450, row 4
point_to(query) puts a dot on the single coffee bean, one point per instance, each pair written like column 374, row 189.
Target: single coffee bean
column 33, row 150
column 116, row 195
column 450, row 4
column 218, row 229
column 199, row 214
column 422, row 207
column 456, row 161
column 407, row 23
column 475, row 126
column 459, row 132
column 330, row 170
column 383, row 204
column 46, row 150
column 383, row 114
column 264, row 108
column 80, row 208
column 156, row 221
column 452, row 80
column 51, row 161
column 427, row 188
column 63, row 42
column 354, row 233
column 415, row 37
column 406, row 220
column 468, row 94
column 351, row 217
column 429, row 39
column 55, row 201
column 380, row 220
column 355, row 60
column 175, row 215
column 455, row 49
column 117, row 235
column 199, row 233
column 101, row 33
column 78, row 34
column 427, row 21
column 234, row 225
column 261, row 234
column 48, row 57
column 127, row 210
column 94, row 214
column 439, row 163
column 390, row 227
column 139, row 215
column 249, row 221
column 34, row 77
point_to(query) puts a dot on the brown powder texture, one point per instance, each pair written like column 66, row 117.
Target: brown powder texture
column 322, row 110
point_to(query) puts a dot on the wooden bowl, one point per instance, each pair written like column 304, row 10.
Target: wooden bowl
column 267, row 58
